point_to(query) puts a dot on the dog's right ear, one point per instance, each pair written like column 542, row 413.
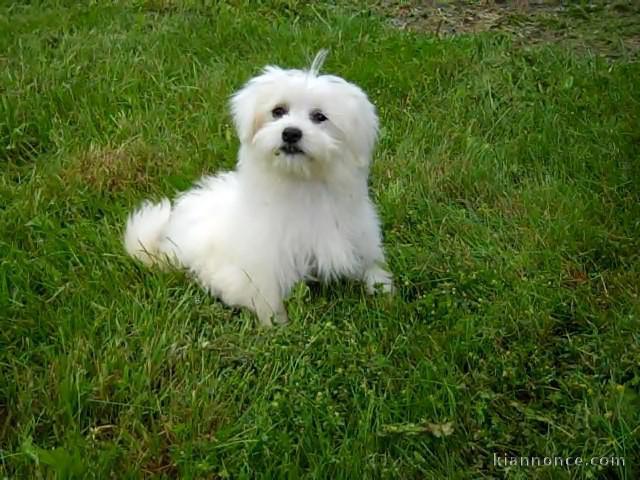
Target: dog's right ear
column 247, row 104
column 243, row 110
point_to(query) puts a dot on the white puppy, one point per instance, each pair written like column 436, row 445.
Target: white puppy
column 296, row 206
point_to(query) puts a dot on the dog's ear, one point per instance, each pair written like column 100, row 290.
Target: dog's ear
column 368, row 124
column 362, row 126
column 355, row 116
column 243, row 110
column 248, row 117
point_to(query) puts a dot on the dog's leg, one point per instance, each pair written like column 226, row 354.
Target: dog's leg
column 368, row 244
column 266, row 301
column 258, row 293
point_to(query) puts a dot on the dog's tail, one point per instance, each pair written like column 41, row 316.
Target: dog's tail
column 145, row 228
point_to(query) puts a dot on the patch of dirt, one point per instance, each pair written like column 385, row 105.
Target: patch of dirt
column 610, row 29
column 106, row 169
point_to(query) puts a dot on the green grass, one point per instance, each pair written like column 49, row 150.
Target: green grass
column 508, row 183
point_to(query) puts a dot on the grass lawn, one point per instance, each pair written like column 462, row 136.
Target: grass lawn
column 508, row 182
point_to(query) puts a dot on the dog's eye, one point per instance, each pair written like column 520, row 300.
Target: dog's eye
column 279, row 112
column 318, row 117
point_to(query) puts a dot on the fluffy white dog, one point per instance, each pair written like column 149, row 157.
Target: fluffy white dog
column 296, row 206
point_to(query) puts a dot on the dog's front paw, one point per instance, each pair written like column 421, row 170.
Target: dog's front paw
column 378, row 279
column 268, row 315
column 281, row 317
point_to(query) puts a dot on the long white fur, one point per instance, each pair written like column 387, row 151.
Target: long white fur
column 250, row 234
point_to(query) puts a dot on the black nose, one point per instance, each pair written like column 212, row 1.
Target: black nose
column 291, row 134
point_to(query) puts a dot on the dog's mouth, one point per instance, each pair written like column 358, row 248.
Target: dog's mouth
column 291, row 149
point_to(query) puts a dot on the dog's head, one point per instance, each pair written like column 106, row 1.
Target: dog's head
column 300, row 122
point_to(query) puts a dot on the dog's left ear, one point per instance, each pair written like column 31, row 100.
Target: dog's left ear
column 365, row 120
